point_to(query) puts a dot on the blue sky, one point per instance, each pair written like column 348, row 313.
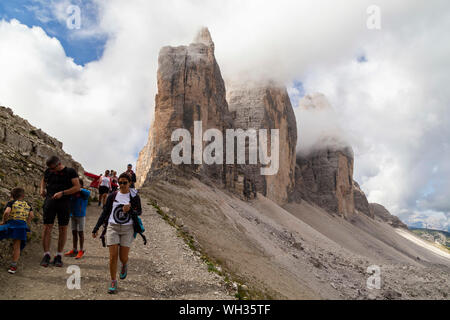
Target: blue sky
column 83, row 48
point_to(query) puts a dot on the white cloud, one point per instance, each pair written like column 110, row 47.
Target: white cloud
column 394, row 107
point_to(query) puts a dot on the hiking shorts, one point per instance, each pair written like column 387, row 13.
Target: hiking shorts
column 56, row 208
column 78, row 223
column 103, row 190
column 120, row 234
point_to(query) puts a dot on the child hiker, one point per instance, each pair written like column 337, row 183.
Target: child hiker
column 17, row 215
column 78, row 204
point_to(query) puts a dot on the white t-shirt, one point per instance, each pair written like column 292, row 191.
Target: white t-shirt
column 117, row 215
column 106, row 182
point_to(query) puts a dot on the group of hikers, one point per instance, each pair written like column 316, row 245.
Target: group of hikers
column 66, row 200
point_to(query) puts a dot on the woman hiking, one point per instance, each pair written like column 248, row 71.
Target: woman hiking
column 117, row 215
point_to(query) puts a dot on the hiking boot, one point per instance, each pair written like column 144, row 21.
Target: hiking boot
column 80, row 254
column 124, row 271
column 71, row 253
column 113, row 287
column 57, row 261
column 12, row 269
column 45, row 260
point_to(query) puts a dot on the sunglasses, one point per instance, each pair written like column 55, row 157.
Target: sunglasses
column 123, row 182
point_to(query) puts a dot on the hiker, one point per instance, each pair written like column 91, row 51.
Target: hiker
column 78, row 205
column 114, row 181
column 132, row 175
column 104, row 187
column 58, row 183
column 117, row 215
column 16, row 219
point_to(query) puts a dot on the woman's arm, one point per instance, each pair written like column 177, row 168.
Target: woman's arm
column 105, row 213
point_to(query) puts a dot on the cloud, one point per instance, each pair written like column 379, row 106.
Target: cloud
column 393, row 104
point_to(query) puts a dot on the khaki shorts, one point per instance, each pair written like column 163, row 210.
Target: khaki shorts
column 119, row 234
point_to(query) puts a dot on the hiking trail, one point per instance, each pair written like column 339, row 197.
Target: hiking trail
column 166, row 268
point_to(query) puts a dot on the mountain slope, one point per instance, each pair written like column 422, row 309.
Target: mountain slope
column 302, row 252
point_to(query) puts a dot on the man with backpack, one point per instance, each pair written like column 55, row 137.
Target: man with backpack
column 120, row 215
column 58, row 183
column 132, row 175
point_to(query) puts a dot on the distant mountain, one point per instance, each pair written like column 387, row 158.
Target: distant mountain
column 443, row 237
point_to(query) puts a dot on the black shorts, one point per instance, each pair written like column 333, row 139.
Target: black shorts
column 103, row 190
column 57, row 208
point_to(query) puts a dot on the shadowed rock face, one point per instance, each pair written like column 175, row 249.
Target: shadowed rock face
column 361, row 203
column 190, row 88
column 325, row 178
column 380, row 212
column 267, row 106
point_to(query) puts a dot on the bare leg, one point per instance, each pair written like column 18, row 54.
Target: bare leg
column 81, row 236
column 75, row 239
column 113, row 257
column 16, row 248
column 62, row 238
column 123, row 254
column 46, row 236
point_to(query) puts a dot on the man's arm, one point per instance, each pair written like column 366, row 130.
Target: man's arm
column 75, row 188
column 43, row 185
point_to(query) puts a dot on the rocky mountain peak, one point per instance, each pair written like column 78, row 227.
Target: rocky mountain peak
column 204, row 36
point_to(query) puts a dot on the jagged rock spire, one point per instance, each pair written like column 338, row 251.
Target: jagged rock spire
column 203, row 36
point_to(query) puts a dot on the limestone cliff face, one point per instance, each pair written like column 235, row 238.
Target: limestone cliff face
column 360, row 199
column 266, row 106
column 24, row 150
column 325, row 178
column 381, row 213
column 324, row 172
column 190, row 88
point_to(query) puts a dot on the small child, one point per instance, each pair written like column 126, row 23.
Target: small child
column 17, row 215
column 78, row 204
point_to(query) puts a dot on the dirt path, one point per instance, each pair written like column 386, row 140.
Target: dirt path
column 164, row 269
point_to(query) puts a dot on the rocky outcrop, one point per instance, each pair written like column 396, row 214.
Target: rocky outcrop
column 360, row 199
column 23, row 151
column 381, row 213
column 325, row 178
column 266, row 106
column 190, row 88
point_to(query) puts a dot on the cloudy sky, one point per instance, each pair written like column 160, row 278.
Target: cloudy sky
column 93, row 88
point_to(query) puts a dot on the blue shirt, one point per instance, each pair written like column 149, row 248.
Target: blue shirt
column 79, row 202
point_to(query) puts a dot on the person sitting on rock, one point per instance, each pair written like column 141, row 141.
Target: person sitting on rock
column 117, row 215
column 16, row 219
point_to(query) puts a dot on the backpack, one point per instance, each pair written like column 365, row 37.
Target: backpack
column 138, row 226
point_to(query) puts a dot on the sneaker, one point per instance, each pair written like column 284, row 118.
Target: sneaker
column 57, row 261
column 124, row 271
column 12, row 269
column 71, row 253
column 113, row 288
column 45, row 260
column 80, row 254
